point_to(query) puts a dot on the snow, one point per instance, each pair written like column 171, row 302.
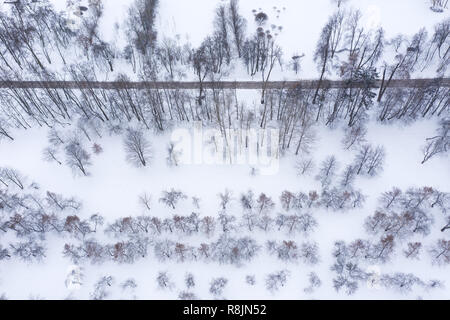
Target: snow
column 114, row 185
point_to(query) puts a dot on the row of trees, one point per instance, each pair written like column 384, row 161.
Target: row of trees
column 72, row 146
column 273, row 282
column 225, row 250
column 351, row 268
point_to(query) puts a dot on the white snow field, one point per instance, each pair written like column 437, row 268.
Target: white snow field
column 113, row 188
column 114, row 185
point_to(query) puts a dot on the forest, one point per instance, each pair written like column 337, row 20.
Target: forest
column 86, row 140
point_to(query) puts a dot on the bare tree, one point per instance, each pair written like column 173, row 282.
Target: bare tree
column 163, row 281
column 101, row 288
column 413, row 250
column 140, row 25
column 349, row 273
column 225, row 199
column 438, row 5
column 185, row 295
column 173, row 155
column 440, row 252
column 285, row 250
column 28, row 250
column 376, row 161
column 354, row 136
column 276, row 280
column 171, row 198
column 339, row 2
column 330, row 39
column 145, row 201
column 327, row 171
column 237, row 25
column 217, row 286
column 402, row 282
column 391, row 199
column 4, row 253
column 202, row 68
column 309, row 253
column 447, row 226
column 221, row 31
column 314, row 282
column 264, row 204
column 250, row 280
column 438, row 144
column 189, row 280
column 137, row 147
column 77, row 158
column 129, row 284
column 50, row 154
column 362, row 158
column 348, row 176
column 305, row 166
column 12, row 176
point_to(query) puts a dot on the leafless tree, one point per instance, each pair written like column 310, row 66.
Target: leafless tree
column 237, row 25
column 438, row 5
column 349, row 273
column 171, row 198
column 391, row 199
column 339, row 2
column 264, row 204
column 250, row 280
column 305, row 166
column 189, row 280
column 163, row 281
column 309, row 253
column 173, row 155
column 221, row 31
column 376, row 161
column 284, row 250
column 413, row 250
column 402, row 282
column 137, row 147
column 217, row 286
column 440, row 252
column 140, row 25
column 329, row 41
column 129, row 284
column 327, row 171
column 29, row 251
column 9, row 176
column 276, row 280
column 438, row 144
column 383, row 250
column 447, row 226
column 228, row 222
column 314, row 282
column 225, row 199
column 348, row 176
column 51, row 154
column 185, row 295
column 354, row 136
column 101, row 288
column 145, row 201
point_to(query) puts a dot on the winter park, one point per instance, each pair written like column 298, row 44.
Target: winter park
column 224, row 150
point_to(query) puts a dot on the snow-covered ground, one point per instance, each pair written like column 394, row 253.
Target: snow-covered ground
column 113, row 187
column 112, row 190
